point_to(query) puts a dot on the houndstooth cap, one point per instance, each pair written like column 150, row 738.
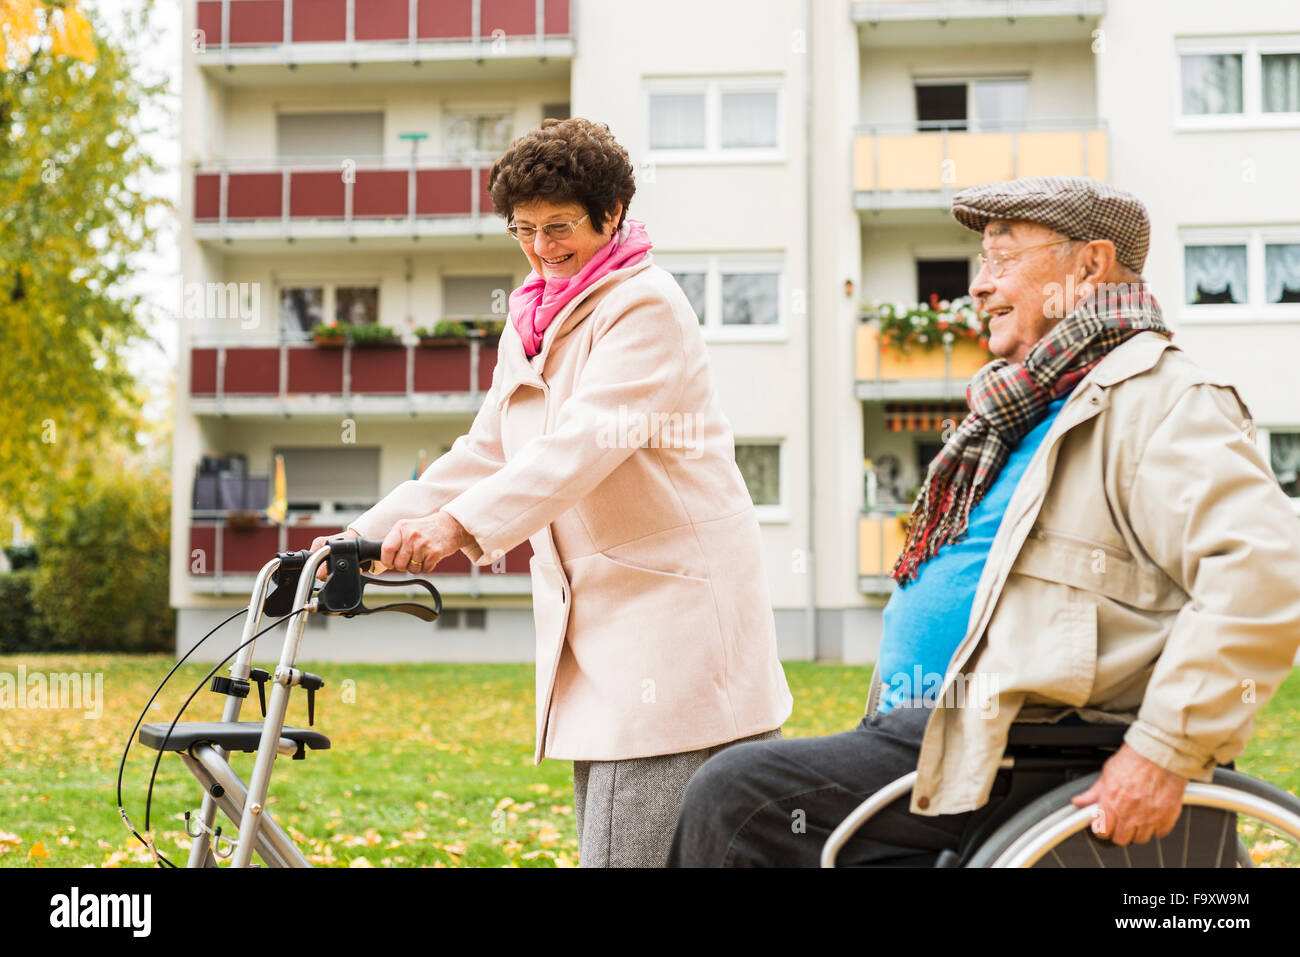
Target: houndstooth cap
column 1076, row 206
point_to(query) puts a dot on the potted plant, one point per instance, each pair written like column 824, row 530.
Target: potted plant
column 329, row 334
column 489, row 330
column 444, row 334
column 938, row 323
column 374, row 335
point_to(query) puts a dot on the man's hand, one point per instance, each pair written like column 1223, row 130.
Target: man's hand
column 418, row 544
column 1135, row 797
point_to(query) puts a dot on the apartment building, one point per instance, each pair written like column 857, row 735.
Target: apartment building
column 795, row 163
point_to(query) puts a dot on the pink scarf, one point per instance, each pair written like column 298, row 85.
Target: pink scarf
column 538, row 301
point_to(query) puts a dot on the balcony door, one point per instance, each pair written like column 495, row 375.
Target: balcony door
column 980, row 106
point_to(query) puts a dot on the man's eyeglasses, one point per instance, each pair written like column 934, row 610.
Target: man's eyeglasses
column 553, row 230
column 996, row 260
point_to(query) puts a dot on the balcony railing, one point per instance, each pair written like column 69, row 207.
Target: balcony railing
column 341, row 192
column 224, row 558
column 279, row 379
column 876, row 11
column 880, row 541
column 914, row 166
column 244, row 24
column 939, row 373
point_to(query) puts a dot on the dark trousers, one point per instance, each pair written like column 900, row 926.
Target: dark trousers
column 774, row 803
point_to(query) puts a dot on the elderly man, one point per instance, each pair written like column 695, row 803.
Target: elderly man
column 1100, row 540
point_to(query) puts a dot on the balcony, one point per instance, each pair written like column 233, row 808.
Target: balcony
column 881, row 538
column 224, row 558
column 940, row 373
column 930, row 22
column 315, row 41
column 910, row 167
column 343, row 200
column 292, row 379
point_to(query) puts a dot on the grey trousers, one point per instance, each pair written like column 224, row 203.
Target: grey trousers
column 626, row 810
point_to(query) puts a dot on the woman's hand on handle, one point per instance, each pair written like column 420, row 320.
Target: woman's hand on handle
column 417, row 545
column 323, row 571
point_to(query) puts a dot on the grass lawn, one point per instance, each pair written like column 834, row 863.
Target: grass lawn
column 431, row 764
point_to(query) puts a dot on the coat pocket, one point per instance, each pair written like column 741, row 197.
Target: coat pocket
column 1098, row 568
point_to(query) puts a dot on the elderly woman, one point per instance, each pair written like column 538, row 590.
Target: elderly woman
column 602, row 443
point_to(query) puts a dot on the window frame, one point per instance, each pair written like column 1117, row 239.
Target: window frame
column 973, row 123
column 713, row 87
column 1252, row 115
column 329, row 301
column 1255, row 308
column 780, row 512
column 713, row 265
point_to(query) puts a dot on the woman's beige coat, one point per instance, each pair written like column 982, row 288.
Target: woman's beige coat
column 609, row 452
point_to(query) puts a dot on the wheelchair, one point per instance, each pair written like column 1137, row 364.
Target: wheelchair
column 1232, row 821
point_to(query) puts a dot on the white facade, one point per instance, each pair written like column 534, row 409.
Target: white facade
column 829, row 90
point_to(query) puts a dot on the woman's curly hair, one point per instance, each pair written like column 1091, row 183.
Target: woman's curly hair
column 564, row 161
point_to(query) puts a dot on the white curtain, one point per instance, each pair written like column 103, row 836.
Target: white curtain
column 1282, row 272
column 1212, row 84
column 1281, row 74
column 677, row 121
column 749, row 119
column 1215, row 274
column 749, row 298
column 1001, row 104
column 1284, row 456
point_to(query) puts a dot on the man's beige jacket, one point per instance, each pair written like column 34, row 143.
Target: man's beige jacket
column 1147, row 570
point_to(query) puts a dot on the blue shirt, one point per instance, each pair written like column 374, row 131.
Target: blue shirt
column 926, row 619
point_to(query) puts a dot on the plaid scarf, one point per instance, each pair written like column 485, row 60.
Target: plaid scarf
column 1007, row 399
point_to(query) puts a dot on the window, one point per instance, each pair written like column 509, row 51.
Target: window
column 714, row 120
column 1239, row 82
column 474, row 619
column 476, row 297
column 760, row 465
column 946, row 278
column 304, row 305
column 1284, row 458
column 555, row 111
column 737, row 297
column 330, row 479
column 982, row 105
column 1242, row 274
column 471, row 133
column 1212, row 84
column 329, row 135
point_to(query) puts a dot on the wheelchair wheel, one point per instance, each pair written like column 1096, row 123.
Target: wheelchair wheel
column 1234, row 821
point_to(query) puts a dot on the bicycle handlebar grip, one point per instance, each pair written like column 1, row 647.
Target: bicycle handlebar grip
column 369, row 548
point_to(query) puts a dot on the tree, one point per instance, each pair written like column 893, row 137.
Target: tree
column 72, row 214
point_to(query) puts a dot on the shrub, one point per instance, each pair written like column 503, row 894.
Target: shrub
column 21, row 626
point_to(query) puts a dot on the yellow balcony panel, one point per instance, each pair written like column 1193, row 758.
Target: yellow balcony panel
column 910, row 162
column 884, row 372
column 880, row 541
column 975, row 158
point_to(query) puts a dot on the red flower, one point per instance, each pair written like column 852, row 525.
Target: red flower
column 943, row 326
column 984, row 343
column 934, row 300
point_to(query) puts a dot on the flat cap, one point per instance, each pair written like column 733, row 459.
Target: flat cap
column 1076, row 206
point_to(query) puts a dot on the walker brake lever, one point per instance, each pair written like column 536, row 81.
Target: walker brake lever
column 280, row 602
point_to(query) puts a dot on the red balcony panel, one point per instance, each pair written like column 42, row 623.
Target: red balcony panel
column 517, row 558
column 442, row 192
column 484, row 197
column 322, row 21
column 454, row 564
column 515, row 17
column 253, row 195
column 442, row 370
column 252, row 372
column 248, row 551
column 487, row 362
column 301, row 536
column 207, row 196
column 203, row 540
column 257, row 21
column 557, row 18
column 380, row 194
column 317, row 195
column 445, row 19
column 316, row 371
column 383, row 20
column 379, row 369
column 203, row 372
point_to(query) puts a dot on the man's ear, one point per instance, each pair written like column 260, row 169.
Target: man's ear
column 1093, row 264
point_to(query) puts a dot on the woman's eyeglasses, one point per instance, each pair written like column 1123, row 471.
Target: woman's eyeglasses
column 996, row 260
column 553, row 230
